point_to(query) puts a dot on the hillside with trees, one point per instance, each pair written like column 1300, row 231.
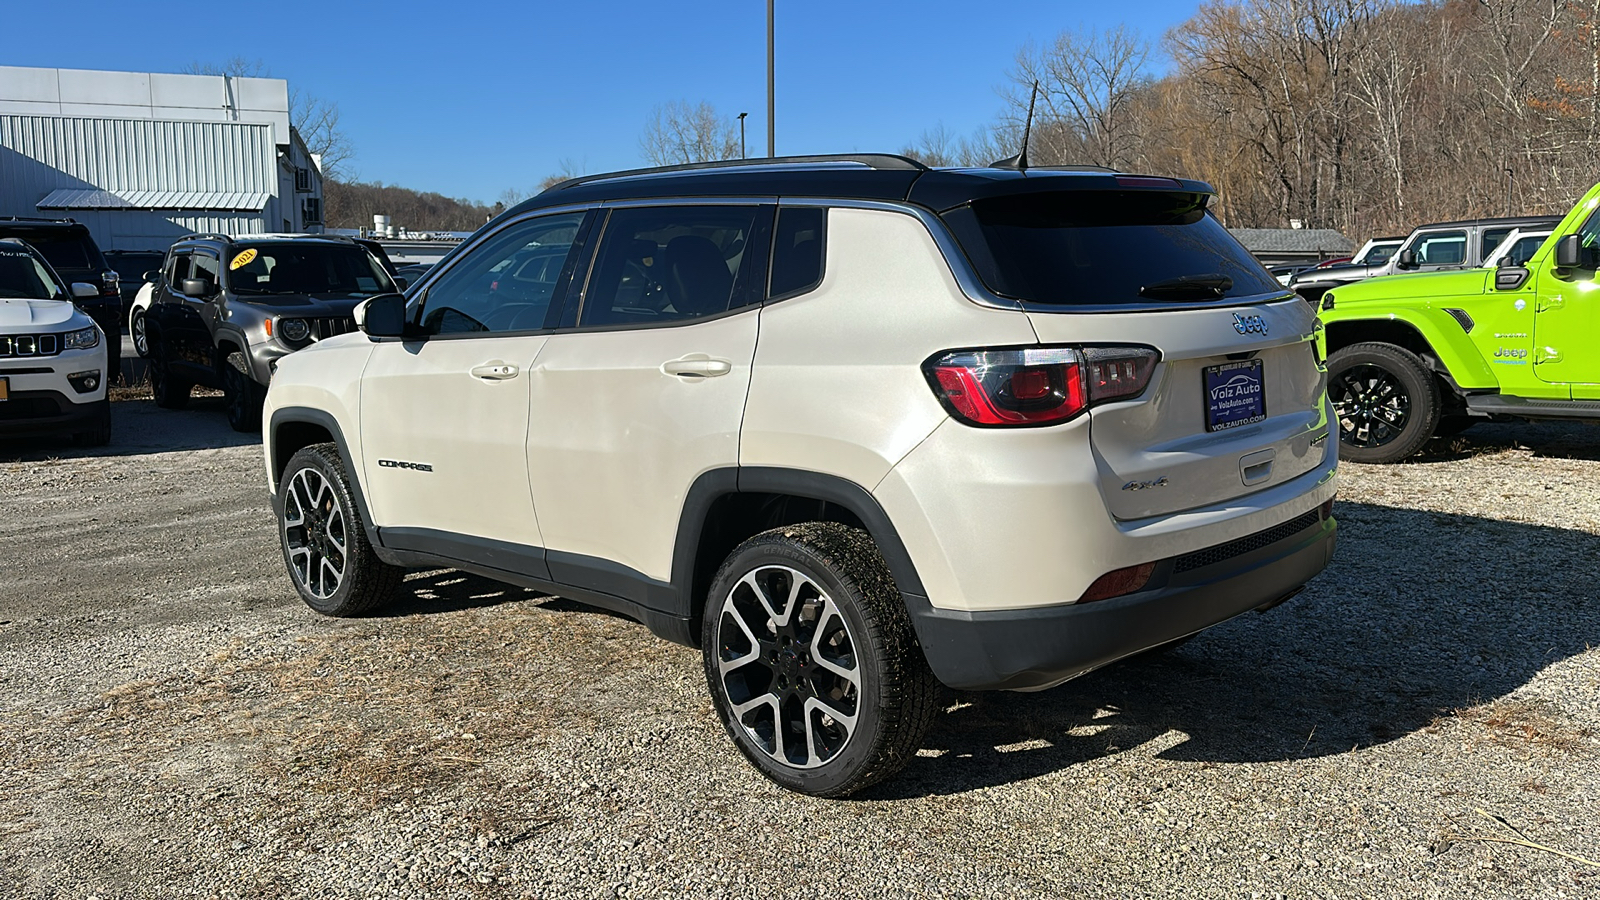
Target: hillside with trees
column 1369, row 116
column 353, row 204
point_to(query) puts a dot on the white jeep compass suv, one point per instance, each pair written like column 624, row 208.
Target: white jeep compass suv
column 52, row 355
column 852, row 426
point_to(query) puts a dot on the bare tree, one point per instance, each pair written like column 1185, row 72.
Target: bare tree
column 680, row 132
column 1088, row 83
column 316, row 120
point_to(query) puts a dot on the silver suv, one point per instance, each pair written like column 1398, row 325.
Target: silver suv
column 853, row 427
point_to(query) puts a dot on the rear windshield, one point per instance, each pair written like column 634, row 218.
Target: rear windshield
column 64, row 250
column 290, row 268
column 22, row 278
column 1093, row 248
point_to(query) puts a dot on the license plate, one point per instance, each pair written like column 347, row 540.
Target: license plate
column 5, row 389
column 1236, row 395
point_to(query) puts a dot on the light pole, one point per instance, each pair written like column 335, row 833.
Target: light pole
column 1510, row 174
column 772, row 103
column 741, row 135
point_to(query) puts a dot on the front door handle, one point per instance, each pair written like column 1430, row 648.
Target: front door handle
column 494, row 371
column 697, row 365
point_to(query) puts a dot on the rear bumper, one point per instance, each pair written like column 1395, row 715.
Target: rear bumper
column 1036, row 648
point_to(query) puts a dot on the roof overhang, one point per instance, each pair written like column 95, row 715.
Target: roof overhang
column 80, row 198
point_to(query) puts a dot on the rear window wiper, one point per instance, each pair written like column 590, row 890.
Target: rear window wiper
column 1210, row 286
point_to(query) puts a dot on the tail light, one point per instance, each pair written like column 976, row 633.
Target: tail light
column 1036, row 385
column 110, row 283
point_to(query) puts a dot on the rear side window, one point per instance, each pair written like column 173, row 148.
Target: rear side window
column 664, row 264
column 797, row 251
column 1095, row 248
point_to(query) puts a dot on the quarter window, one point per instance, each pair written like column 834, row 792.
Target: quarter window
column 797, row 250
column 665, row 264
column 507, row 283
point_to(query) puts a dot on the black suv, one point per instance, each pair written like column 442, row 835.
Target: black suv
column 75, row 256
column 224, row 310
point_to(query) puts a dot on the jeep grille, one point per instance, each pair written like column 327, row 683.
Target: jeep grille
column 16, row 345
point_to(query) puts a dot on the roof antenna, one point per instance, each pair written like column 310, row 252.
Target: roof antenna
column 1020, row 161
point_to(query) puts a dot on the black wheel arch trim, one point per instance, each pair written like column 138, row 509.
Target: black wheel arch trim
column 811, row 485
column 291, row 415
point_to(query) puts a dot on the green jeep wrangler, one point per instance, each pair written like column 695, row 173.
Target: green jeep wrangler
column 1413, row 356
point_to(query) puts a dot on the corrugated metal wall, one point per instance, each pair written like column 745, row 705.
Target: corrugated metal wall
column 40, row 154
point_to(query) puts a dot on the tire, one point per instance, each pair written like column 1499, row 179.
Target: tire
column 324, row 540
column 100, row 434
column 1385, row 400
column 860, row 711
column 169, row 392
column 136, row 330
column 245, row 397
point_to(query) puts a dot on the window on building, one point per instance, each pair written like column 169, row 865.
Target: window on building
column 311, row 211
column 302, row 180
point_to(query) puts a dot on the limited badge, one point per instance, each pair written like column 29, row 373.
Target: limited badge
column 243, row 259
column 1520, row 305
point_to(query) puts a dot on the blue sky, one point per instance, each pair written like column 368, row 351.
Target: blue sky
column 469, row 99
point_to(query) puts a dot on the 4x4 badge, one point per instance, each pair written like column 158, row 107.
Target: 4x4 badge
column 1247, row 324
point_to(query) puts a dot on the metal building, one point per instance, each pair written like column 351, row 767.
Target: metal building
column 143, row 158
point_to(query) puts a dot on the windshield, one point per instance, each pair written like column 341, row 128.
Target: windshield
column 1091, row 248
column 64, row 250
column 22, row 277
column 306, row 268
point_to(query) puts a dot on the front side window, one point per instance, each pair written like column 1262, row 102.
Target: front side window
column 23, row 277
column 1105, row 247
column 506, row 283
column 1492, row 238
column 669, row 263
column 1378, row 255
column 206, row 267
column 317, row 269
column 1442, row 248
column 1523, row 250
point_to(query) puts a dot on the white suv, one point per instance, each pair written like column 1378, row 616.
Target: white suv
column 52, row 355
column 852, row 426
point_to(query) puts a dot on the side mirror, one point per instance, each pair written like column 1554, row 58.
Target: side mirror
column 84, row 289
column 196, row 287
column 383, row 315
column 1509, row 278
column 1569, row 254
column 1407, row 259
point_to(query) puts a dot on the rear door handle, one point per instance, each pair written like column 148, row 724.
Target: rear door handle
column 494, row 371
column 697, row 365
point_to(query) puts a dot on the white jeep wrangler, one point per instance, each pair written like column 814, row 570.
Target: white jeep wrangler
column 851, row 426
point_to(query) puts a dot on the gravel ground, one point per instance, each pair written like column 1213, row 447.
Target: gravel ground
column 174, row 723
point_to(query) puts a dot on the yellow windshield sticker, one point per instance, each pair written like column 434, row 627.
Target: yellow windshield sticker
column 243, row 259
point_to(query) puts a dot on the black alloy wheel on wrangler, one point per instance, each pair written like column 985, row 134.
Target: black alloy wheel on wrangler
column 324, row 542
column 812, row 662
column 1385, row 402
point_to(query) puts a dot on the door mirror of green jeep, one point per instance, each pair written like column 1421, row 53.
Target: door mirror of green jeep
column 1407, row 260
column 383, row 315
column 1569, row 253
column 1509, row 278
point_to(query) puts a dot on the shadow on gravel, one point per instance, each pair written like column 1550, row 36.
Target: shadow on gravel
column 139, row 427
column 448, row 591
column 1551, row 440
column 1421, row 613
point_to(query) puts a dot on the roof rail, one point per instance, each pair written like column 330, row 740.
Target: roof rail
column 868, row 160
column 69, row 220
column 206, row 235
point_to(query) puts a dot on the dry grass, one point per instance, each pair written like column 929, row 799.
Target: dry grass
column 1524, row 725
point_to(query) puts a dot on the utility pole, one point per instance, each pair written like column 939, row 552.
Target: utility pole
column 1510, row 174
column 741, row 135
column 772, row 102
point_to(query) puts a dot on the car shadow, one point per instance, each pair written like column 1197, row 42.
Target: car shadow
column 139, row 427
column 448, row 590
column 1413, row 620
column 1552, row 440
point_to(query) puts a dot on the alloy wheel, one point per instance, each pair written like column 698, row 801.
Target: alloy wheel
column 315, row 533
column 787, row 661
column 136, row 330
column 1371, row 404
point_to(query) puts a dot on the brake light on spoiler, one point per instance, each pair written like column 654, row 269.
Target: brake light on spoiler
column 1034, row 386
